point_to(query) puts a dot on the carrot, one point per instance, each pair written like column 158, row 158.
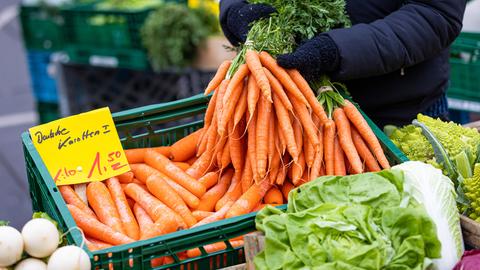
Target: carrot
column 191, row 200
column 308, row 94
column 71, row 197
column 192, row 253
column 191, row 161
column 281, row 175
column 286, row 188
column 185, row 148
column 223, row 156
column 129, row 223
column 247, row 175
column 316, row 166
column 103, row 206
column 98, row 243
column 251, row 144
column 339, row 159
column 211, row 197
column 306, row 120
column 220, row 214
column 273, row 196
column 298, row 169
column 219, row 76
column 297, row 131
column 201, row 166
column 264, row 111
column 253, row 61
column 143, row 171
column 271, row 140
column 236, row 147
column 211, row 135
column 287, row 131
column 182, row 165
column 241, row 107
column 281, row 74
column 222, row 89
column 144, row 221
column 345, row 140
column 125, row 178
column 166, row 194
column 249, row 199
column 366, row 132
column 235, row 82
column 309, row 152
column 283, row 144
column 130, row 202
column 329, row 146
column 200, row 215
column 278, row 90
column 164, row 165
column 234, row 191
column 96, row 229
column 209, row 180
column 137, row 155
column 364, row 152
column 252, row 96
column 318, row 157
column 155, row 208
column 229, row 109
column 94, row 244
column 212, row 104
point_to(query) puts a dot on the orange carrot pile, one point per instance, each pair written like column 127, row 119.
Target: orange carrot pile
column 265, row 132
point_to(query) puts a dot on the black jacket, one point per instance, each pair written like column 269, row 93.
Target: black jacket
column 394, row 59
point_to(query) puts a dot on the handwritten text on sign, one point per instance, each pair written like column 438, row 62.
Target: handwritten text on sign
column 81, row 148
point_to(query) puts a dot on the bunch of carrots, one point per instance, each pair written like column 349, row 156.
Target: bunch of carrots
column 265, row 132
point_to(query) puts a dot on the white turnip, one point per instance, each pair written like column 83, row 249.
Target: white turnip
column 31, row 264
column 11, row 246
column 69, row 257
column 40, row 237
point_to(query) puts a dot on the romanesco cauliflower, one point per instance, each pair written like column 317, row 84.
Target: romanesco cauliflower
column 472, row 191
column 453, row 137
column 411, row 141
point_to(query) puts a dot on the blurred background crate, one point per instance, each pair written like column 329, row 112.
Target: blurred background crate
column 464, row 91
column 42, row 27
column 84, row 87
column 42, row 78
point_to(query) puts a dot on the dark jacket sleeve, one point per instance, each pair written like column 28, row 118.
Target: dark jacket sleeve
column 415, row 32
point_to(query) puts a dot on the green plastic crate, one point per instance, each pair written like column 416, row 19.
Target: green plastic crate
column 42, row 27
column 137, row 128
column 47, row 111
column 118, row 58
column 465, row 68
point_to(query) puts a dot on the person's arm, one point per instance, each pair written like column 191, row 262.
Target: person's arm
column 417, row 31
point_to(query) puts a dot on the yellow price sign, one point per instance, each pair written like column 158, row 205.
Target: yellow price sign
column 81, row 148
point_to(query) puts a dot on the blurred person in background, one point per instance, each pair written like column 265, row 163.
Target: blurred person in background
column 394, row 59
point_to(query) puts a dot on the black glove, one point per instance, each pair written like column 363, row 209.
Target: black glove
column 313, row 58
column 237, row 15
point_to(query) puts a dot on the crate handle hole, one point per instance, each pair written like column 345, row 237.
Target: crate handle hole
column 55, row 189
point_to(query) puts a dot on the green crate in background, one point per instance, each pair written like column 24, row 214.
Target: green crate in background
column 47, row 111
column 465, row 68
column 42, row 27
column 145, row 127
column 104, row 57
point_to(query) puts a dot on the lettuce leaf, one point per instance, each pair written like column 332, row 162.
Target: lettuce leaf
column 355, row 222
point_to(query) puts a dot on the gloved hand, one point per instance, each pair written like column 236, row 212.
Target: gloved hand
column 313, row 58
column 237, row 15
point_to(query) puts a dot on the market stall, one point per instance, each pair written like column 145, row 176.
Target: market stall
column 263, row 170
